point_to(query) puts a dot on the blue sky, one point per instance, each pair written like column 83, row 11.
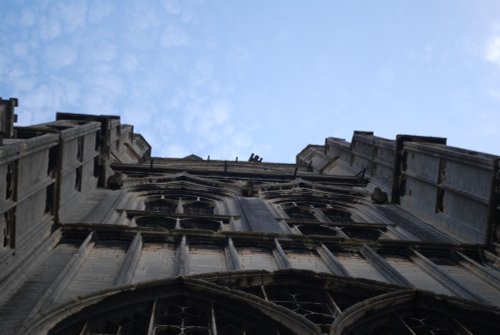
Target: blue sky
column 228, row 78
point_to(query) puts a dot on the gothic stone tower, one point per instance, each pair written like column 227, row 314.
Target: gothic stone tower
column 374, row 236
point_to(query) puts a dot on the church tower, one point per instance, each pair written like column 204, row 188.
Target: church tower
column 372, row 236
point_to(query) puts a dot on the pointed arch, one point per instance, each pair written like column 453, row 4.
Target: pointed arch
column 180, row 306
column 409, row 312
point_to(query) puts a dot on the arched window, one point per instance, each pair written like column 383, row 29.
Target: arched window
column 314, row 229
column 300, row 213
column 200, row 224
column 409, row 313
column 199, row 207
column 337, row 215
column 155, row 222
column 161, row 205
column 287, row 302
column 181, row 307
column 362, row 233
column 312, row 303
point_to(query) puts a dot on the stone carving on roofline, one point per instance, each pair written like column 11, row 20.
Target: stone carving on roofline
column 378, row 196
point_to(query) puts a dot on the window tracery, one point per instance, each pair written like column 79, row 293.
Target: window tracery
column 156, row 222
column 161, row 205
column 310, row 229
column 198, row 207
column 299, row 213
column 200, row 223
column 370, row 234
column 263, row 303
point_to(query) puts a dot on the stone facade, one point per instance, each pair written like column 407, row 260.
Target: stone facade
column 374, row 236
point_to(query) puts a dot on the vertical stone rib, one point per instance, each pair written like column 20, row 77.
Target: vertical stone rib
column 437, row 273
column 182, row 258
column 10, row 283
column 385, row 268
column 341, row 233
column 280, row 256
column 232, row 258
column 71, row 269
column 336, row 309
column 331, row 261
column 85, row 329
column 479, row 270
column 461, row 328
column 130, row 263
column 56, row 290
column 213, row 321
column 151, row 325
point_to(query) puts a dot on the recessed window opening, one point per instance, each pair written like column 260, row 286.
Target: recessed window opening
column 362, row 233
column 52, row 164
column 9, row 228
column 199, row 208
column 156, row 222
column 338, row 216
column 96, row 167
column 200, row 224
column 10, row 179
column 440, row 201
column 79, row 150
column 49, row 199
column 78, row 179
column 97, row 146
column 299, row 213
column 161, row 205
column 312, row 229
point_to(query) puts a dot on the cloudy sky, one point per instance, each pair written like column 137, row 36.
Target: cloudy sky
column 228, row 78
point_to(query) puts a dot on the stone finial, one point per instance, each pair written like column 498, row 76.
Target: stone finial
column 378, row 196
column 115, row 181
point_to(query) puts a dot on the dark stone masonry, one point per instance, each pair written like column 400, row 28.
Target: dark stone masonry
column 372, row 236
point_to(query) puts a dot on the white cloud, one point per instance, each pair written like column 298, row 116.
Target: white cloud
column 143, row 16
column 129, row 63
column 495, row 94
column 486, row 125
column 39, row 101
column 105, row 52
column 208, row 121
column 175, row 150
column 73, row 14
column 98, row 103
column 107, row 84
column 238, row 56
column 164, row 125
column 492, row 53
column 237, row 144
column 20, row 49
column 172, row 7
column 422, row 55
column 201, row 73
column 98, row 10
column 139, row 116
column 385, row 75
column 49, row 29
column 4, row 63
column 60, row 56
column 28, row 18
column 174, row 36
column 23, row 83
column 180, row 9
column 220, row 112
